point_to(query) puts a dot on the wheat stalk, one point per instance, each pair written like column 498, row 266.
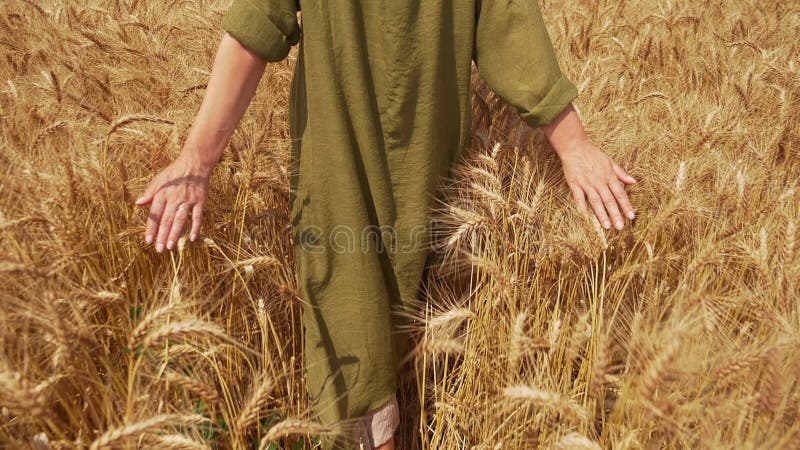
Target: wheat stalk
column 146, row 324
column 576, row 441
column 599, row 367
column 181, row 331
column 659, row 369
column 517, row 342
column 127, row 433
column 550, row 399
column 20, row 395
column 771, row 389
column 205, row 390
column 258, row 401
column 290, row 426
column 179, row 442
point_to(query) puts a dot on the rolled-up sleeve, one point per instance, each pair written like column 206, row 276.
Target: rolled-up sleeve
column 268, row 28
column 515, row 56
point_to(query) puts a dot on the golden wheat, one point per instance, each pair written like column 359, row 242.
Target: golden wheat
column 679, row 331
column 117, row 436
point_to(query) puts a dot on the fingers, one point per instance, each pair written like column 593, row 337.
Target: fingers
column 153, row 219
column 622, row 198
column 176, row 194
column 167, row 220
column 606, row 202
column 181, row 216
column 165, row 226
column 598, row 206
column 147, row 195
column 197, row 216
column 593, row 174
column 611, row 206
column 623, row 176
column 579, row 196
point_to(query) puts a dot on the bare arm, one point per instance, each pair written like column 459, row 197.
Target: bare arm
column 234, row 78
column 515, row 56
column 590, row 173
column 182, row 186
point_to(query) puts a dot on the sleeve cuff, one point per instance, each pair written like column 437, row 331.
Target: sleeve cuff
column 252, row 26
column 562, row 92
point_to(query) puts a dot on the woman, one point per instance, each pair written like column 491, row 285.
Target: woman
column 379, row 111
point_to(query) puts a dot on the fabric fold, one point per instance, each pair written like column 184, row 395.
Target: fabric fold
column 268, row 28
column 515, row 56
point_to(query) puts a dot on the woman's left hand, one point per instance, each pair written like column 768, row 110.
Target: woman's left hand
column 593, row 175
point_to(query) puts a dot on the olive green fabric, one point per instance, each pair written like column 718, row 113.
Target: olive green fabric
column 379, row 111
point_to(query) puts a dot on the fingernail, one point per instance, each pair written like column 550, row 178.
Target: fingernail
column 607, row 224
column 619, row 224
column 159, row 247
column 631, row 215
column 148, row 238
column 192, row 237
column 170, row 243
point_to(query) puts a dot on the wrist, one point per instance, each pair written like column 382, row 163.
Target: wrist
column 565, row 133
column 565, row 147
column 197, row 160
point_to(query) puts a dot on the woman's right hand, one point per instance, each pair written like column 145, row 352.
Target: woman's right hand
column 174, row 193
column 181, row 188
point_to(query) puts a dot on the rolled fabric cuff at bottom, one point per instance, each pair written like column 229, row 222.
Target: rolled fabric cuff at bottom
column 379, row 425
column 560, row 95
column 251, row 25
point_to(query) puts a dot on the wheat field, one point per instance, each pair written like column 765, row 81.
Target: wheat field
column 538, row 330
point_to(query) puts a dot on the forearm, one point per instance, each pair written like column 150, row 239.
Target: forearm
column 566, row 131
column 235, row 75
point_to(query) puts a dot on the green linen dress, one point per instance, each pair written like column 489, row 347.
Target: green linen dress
column 379, row 111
